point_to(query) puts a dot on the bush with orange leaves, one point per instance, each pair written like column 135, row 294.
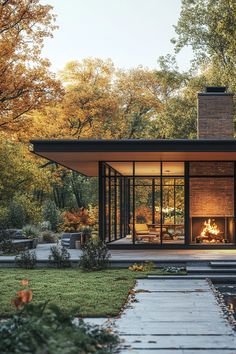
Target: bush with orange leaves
column 23, row 296
column 143, row 214
column 76, row 219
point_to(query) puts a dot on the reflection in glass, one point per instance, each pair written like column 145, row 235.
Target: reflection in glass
column 173, row 211
column 144, row 208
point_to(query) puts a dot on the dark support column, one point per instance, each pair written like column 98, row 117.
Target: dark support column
column 153, row 201
column 121, row 207
column 234, row 202
column 101, row 192
column 186, row 203
column 128, row 196
column 109, row 204
column 174, row 205
column 115, row 205
column 125, row 219
column 161, row 202
column 133, row 203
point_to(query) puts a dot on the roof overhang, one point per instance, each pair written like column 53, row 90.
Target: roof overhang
column 83, row 155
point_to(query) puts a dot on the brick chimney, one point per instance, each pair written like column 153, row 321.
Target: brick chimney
column 215, row 114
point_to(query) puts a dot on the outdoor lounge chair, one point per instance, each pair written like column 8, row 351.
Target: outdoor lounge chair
column 68, row 239
column 143, row 233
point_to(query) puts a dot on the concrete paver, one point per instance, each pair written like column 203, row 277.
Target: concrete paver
column 175, row 316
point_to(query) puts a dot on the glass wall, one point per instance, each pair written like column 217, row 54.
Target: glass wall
column 114, row 205
column 173, row 210
column 153, row 202
column 144, row 202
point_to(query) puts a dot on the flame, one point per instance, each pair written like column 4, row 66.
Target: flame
column 210, row 227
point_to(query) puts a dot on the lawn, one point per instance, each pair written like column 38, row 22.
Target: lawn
column 100, row 293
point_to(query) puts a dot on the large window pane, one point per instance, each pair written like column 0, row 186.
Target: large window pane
column 143, row 201
column 173, row 211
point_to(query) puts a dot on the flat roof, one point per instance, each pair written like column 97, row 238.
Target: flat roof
column 83, row 155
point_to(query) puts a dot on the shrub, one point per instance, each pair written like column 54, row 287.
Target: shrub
column 143, row 267
column 4, row 218
column 71, row 221
column 52, row 214
column 75, row 219
column 6, row 244
column 45, row 226
column 48, row 237
column 30, row 231
column 149, row 266
column 59, row 257
column 95, row 255
column 174, row 269
column 87, row 232
column 17, row 215
column 23, row 210
column 46, row 329
column 26, row 259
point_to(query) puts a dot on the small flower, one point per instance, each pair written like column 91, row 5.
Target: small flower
column 25, row 282
column 25, row 295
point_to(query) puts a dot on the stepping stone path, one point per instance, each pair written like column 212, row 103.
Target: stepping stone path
column 175, row 317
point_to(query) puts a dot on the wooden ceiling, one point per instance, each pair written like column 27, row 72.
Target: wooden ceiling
column 87, row 162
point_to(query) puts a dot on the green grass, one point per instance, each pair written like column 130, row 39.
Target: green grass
column 8, row 254
column 100, row 293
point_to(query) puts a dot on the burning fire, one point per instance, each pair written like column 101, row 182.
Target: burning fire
column 210, row 228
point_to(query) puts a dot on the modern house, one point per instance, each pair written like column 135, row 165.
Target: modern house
column 163, row 193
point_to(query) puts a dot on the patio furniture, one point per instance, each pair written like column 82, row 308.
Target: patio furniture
column 19, row 241
column 69, row 239
column 14, row 234
column 169, row 231
column 25, row 243
column 143, row 233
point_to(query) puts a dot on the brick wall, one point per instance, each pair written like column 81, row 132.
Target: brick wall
column 211, row 168
column 215, row 116
column 211, row 197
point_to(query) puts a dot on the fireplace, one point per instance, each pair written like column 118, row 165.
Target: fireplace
column 212, row 230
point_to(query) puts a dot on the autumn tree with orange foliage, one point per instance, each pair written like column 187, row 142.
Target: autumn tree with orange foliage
column 89, row 102
column 101, row 102
column 25, row 81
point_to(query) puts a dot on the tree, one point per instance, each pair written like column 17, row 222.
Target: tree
column 20, row 178
column 177, row 93
column 72, row 190
column 19, row 173
column 25, row 82
column 88, row 103
column 138, row 92
column 209, row 27
column 103, row 102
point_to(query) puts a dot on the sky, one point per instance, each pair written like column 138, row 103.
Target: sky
column 130, row 32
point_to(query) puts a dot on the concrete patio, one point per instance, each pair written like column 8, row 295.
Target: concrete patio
column 158, row 255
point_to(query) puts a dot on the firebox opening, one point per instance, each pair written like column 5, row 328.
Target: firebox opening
column 212, row 230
